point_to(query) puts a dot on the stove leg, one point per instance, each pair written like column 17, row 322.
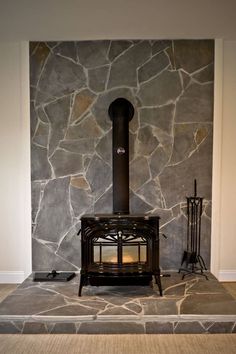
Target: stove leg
column 81, row 284
column 158, row 282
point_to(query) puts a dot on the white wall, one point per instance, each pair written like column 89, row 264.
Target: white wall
column 112, row 19
column 15, row 231
column 227, row 249
column 15, row 240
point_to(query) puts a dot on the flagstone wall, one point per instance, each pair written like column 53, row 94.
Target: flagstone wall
column 170, row 84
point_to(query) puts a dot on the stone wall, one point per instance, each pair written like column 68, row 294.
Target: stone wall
column 170, row 84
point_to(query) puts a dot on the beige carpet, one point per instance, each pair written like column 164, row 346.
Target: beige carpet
column 118, row 344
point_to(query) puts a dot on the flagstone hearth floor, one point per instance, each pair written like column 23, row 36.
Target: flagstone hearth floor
column 192, row 305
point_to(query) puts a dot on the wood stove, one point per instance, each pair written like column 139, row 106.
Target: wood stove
column 120, row 248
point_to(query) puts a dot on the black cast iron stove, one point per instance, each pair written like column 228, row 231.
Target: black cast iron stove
column 120, row 248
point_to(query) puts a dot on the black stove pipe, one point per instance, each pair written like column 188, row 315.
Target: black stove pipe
column 121, row 112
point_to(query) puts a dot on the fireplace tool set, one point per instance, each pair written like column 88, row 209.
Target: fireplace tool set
column 194, row 263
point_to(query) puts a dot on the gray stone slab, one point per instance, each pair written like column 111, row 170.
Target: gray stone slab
column 104, row 148
column 175, row 230
column 66, row 163
column 132, row 146
column 98, row 304
column 170, row 52
column 139, row 172
column 70, row 310
column 69, row 248
column 133, row 307
column 67, row 290
column 38, row 57
column 98, row 175
column 41, row 97
column 116, row 311
column 147, row 141
column 160, row 45
column 36, row 188
column 87, row 128
column 158, row 161
column 45, row 259
column 160, row 117
column 97, row 78
column 7, row 327
column 40, row 167
column 189, row 327
column 206, row 74
column 117, row 48
column 81, row 200
column 117, row 300
column 177, row 290
column 79, row 146
column 60, row 77
column 197, row 166
column 34, row 328
column 33, row 93
column 207, row 324
column 58, row 113
column 118, row 295
column 186, row 78
column 151, row 193
column 104, row 203
column 52, row 44
column 93, row 53
column 64, row 328
column 41, row 134
column 54, row 217
column 161, row 90
column 203, row 286
column 187, row 138
column 137, row 204
column 23, row 305
column 164, row 214
column 175, row 279
column 33, row 290
column 209, row 304
column 67, row 49
column 153, row 66
column 192, row 55
column 156, row 327
column 160, row 307
column 81, row 104
column 196, row 104
column 33, row 117
column 123, row 68
column 111, row 328
column 221, row 327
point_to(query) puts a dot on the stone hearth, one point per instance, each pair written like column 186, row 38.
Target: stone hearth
column 192, row 305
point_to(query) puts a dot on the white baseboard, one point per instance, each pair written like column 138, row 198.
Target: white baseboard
column 12, row 277
column 227, row 275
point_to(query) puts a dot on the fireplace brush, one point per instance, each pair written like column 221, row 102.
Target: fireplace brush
column 194, row 263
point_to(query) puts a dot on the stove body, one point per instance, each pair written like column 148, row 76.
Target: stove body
column 120, row 250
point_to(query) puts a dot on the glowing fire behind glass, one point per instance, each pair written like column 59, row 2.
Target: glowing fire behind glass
column 130, row 253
